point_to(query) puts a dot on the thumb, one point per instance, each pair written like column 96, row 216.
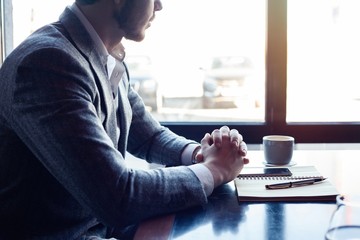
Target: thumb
column 199, row 157
column 206, row 141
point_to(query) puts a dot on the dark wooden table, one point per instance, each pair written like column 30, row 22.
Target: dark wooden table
column 225, row 218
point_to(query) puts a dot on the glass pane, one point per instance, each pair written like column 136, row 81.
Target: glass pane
column 323, row 61
column 201, row 60
column 207, row 57
column 29, row 15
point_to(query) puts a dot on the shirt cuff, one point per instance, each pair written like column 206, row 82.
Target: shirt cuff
column 186, row 156
column 205, row 177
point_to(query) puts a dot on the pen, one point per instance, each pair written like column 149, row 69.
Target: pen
column 294, row 184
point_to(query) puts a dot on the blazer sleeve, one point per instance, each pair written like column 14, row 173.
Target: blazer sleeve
column 151, row 141
column 55, row 112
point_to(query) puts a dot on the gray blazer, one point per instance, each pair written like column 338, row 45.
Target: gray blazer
column 62, row 169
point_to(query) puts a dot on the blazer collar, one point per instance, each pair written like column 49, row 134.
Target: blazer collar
column 85, row 45
column 82, row 40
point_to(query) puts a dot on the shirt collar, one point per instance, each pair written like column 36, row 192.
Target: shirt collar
column 118, row 52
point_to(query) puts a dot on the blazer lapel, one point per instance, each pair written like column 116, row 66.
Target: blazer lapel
column 83, row 42
column 125, row 114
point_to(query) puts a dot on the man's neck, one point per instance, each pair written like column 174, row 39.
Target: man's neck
column 104, row 24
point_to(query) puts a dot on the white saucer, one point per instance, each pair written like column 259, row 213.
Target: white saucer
column 290, row 164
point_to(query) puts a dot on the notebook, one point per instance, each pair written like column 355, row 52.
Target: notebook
column 252, row 189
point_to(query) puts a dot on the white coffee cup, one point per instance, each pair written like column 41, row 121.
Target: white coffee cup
column 278, row 149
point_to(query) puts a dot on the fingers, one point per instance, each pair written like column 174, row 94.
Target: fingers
column 235, row 137
column 246, row 160
column 199, row 157
column 243, row 148
column 225, row 130
column 219, row 135
column 206, row 140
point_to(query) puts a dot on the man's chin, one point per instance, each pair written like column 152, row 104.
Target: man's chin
column 137, row 37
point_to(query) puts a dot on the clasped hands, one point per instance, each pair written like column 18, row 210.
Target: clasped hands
column 223, row 152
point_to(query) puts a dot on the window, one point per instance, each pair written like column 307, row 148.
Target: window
column 323, row 61
column 263, row 67
column 1, row 33
column 208, row 60
column 5, row 28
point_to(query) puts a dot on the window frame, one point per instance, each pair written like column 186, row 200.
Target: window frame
column 275, row 93
column 6, row 29
column 275, row 99
column 2, row 54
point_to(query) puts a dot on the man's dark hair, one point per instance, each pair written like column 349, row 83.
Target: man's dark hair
column 86, row 1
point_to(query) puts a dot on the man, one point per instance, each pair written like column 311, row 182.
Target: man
column 67, row 118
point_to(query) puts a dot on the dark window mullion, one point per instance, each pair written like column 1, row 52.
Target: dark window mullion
column 276, row 57
column 6, row 29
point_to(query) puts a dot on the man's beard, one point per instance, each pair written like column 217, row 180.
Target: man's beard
column 125, row 19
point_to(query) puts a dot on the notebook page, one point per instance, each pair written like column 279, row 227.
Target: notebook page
column 253, row 189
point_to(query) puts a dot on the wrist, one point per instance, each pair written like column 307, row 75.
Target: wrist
column 218, row 176
column 194, row 154
column 187, row 154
